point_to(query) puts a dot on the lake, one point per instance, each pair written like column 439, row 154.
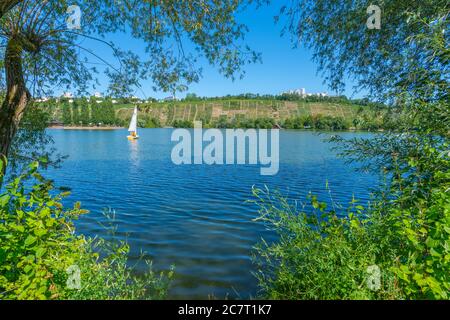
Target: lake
column 195, row 217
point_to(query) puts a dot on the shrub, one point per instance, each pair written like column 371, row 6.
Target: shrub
column 152, row 123
column 320, row 255
column 325, row 254
column 182, row 124
column 39, row 248
column 420, row 217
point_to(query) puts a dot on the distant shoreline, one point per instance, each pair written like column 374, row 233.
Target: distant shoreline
column 83, row 128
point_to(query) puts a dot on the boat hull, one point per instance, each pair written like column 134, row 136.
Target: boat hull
column 132, row 137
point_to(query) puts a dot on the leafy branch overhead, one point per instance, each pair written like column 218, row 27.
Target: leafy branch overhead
column 388, row 61
column 40, row 52
column 175, row 35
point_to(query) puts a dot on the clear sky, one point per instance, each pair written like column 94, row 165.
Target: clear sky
column 283, row 68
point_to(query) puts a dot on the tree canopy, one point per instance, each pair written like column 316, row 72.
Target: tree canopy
column 55, row 56
column 42, row 50
column 400, row 56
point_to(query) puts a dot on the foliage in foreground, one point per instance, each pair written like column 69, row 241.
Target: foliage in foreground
column 41, row 256
column 327, row 254
column 320, row 255
column 406, row 231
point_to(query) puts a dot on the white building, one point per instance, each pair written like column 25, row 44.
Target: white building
column 168, row 99
column 43, row 99
column 302, row 93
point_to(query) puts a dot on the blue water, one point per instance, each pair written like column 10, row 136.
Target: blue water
column 193, row 216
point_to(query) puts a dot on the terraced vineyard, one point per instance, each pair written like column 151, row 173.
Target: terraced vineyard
column 211, row 112
column 225, row 113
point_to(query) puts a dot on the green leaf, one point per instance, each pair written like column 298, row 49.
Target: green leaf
column 40, row 232
column 447, row 229
column 30, row 240
column 4, row 199
column 27, row 268
column 40, row 252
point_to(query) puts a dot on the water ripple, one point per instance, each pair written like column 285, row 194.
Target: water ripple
column 195, row 217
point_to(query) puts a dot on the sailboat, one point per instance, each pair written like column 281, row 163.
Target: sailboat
column 133, row 126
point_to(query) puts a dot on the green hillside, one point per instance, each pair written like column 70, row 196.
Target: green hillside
column 228, row 113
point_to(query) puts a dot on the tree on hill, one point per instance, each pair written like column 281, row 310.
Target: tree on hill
column 85, row 115
column 66, row 114
column 76, row 114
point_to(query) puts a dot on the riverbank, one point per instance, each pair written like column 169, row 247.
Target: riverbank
column 352, row 129
column 83, row 128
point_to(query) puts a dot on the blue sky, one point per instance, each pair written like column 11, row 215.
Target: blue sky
column 282, row 68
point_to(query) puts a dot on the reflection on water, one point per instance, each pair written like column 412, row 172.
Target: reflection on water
column 195, row 217
column 134, row 152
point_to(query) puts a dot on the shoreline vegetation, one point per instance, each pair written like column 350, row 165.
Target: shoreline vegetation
column 93, row 128
column 231, row 112
column 45, row 258
column 84, row 128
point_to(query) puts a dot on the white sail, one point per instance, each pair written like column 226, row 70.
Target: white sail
column 133, row 123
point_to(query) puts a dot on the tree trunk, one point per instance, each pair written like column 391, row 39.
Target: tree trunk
column 16, row 99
